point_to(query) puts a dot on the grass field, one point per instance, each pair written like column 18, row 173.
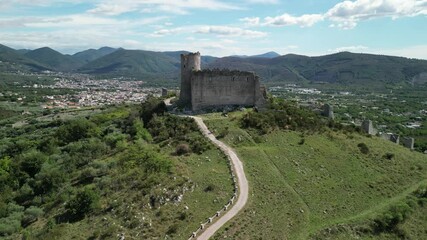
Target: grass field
column 301, row 184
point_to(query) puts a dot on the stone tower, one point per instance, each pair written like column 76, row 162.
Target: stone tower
column 368, row 128
column 189, row 63
column 328, row 111
column 408, row 142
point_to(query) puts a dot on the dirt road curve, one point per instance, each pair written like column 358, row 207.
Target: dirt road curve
column 241, row 180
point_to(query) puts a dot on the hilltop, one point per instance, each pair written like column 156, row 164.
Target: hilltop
column 93, row 54
column 9, row 57
column 53, row 59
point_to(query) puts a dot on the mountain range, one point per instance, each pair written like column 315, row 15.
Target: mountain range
column 342, row 68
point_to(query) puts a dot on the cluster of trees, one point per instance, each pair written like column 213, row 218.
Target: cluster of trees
column 179, row 130
column 282, row 115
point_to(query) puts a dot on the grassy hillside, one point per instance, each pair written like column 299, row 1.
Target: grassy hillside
column 304, row 182
column 54, row 59
column 101, row 174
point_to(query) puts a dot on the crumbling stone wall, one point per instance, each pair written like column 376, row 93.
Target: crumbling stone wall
column 222, row 87
column 216, row 88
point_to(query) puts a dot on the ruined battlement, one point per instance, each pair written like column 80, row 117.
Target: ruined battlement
column 222, row 72
column 217, row 87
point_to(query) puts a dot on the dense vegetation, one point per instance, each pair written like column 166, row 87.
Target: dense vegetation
column 109, row 173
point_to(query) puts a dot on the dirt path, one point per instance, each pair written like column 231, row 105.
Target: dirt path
column 241, row 181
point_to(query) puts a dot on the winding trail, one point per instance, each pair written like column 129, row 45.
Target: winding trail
column 243, row 187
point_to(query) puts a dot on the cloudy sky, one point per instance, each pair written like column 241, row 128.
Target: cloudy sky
column 219, row 27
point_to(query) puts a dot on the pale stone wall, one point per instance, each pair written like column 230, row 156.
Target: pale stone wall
column 221, row 88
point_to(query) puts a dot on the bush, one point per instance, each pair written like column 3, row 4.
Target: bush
column 75, row 130
column 388, row 221
column 182, row 149
column 152, row 106
column 85, row 151
column 83, row 203
column 389, row 156
column 210, row 188
column 363, row 148
column 31, row 162
column 31, row 215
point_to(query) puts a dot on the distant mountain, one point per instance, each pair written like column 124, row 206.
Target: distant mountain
column 264, row 55
column 93, row 54
column 23, row 51
column 54, row 59
column 344, row 67
column 19, row 61
column 135, row 63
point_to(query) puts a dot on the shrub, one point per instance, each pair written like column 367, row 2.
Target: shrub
column 389, row 156
column 388, row 221
column 363, row 148
column 75, row 130
column 31, row 162
column 302, row 141
column 84, row 151
column 83, row 203
column 182, row 149
column 151, row 106
column 31, row 215
column 172, row 229
column 210, row 188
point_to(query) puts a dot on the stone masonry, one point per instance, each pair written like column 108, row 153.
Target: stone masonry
column 217, row 88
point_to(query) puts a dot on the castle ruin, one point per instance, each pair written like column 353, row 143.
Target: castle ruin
column 202, row 89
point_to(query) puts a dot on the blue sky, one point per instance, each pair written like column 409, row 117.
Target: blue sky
column 219, row 28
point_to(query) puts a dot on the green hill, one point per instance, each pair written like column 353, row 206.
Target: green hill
column 342, row 68
column 135, row 63
column 12, row 60
column 93, row 54
column 307, row 184
column 54, row 59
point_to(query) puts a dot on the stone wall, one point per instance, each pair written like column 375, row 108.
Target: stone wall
column 222, row 87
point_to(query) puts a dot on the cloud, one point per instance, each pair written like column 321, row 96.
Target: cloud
column 251, row 21
column 110, row 7
column 358, row 48
column 214, row 30
column 347, row 14
column 230, row 31
column 306, row 20
column 76, row 20
column 262, row 1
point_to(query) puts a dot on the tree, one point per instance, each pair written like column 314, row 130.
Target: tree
column 150, row 107
column 31, row 162
column 83, row 203
column 76, row 130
